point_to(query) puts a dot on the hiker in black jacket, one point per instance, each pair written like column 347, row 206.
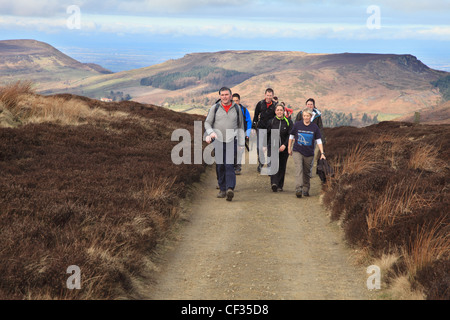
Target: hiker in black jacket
column 264, row 111
column 284, row 125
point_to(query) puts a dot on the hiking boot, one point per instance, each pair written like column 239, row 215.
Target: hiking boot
column 259, row 169
column 274, row 188
column 305, row 193
column 280, row 189
column 221, row 194
column 298, row 193
column 230, row 194
column 237, row 172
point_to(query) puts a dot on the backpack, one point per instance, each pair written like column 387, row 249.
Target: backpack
column 271, row 121
column 324, row 169
column 237, row 112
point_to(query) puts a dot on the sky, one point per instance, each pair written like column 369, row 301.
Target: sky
column 123, row 35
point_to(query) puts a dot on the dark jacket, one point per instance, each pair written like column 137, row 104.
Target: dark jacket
column 285, row 126
column 317, row 120
column 324, row 169
column 263, row 114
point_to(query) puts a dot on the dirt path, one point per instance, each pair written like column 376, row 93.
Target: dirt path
column 262, row 245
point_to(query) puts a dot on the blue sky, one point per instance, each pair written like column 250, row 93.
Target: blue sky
column 122, row 35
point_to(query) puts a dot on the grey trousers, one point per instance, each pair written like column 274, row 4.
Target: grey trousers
column 303, row 167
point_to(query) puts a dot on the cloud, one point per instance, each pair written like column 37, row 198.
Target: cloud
column 35, row 8
column 231, row 28
column 239, row 19
column 48, row 8
column 326, row 11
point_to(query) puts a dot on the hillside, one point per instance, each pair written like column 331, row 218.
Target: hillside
column 435, row 115
column 84, row 183
column 385, row 84
column 92, row 184
column 41, row 63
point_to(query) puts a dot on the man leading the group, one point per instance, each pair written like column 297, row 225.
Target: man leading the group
column 264, row 111
column 223, row 124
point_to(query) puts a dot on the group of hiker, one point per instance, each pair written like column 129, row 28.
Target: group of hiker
column 229, row 126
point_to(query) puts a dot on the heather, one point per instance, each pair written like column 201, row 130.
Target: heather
column 98, row 191
column 390, row 194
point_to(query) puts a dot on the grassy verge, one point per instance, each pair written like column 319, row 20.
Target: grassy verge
column 85, row 183
column 391, row 196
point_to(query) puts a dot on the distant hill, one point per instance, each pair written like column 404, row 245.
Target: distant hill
column 383, row 85
column 43, row 64
column 434, row 115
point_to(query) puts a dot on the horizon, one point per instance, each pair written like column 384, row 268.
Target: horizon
column 125, row 35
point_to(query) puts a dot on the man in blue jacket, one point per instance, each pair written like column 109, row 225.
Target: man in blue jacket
column 247, row 127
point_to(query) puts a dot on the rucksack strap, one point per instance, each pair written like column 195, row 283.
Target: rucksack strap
column 236, row 107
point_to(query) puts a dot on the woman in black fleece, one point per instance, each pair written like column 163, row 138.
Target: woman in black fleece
column 284, row 125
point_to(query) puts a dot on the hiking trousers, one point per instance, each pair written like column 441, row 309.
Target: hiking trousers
column 224, row 153
column 302, row 171
column 278, row 178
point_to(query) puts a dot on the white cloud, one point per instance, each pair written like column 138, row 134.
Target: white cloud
column 229, row 28
column 35, row 8
column 265, row 19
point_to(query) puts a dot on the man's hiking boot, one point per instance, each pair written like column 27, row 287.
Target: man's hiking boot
column 305, row 193
column 274, row 188
column 298, row 193
column 221, row 194
column 230, row 194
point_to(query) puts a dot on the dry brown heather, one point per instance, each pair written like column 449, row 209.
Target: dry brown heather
column 392, row 198
column 92, row 184
column 84, row 183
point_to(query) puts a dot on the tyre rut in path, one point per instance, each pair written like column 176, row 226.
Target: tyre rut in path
column 262, row 245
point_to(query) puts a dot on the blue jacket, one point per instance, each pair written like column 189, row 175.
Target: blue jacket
column 247, row 120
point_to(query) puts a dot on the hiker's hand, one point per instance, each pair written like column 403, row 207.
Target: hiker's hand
column 322, row 156
column 210, row 138
column 282, row 148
